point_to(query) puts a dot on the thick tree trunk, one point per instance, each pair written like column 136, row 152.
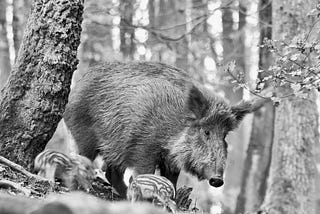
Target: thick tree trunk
column 5, row 66
column 292, row 176
column 257, row 162
column 95, row 46
column 292, row 169
column 127, row 45
column 33, row 100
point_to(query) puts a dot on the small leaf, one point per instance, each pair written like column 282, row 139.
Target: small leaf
column 294, row 57
column 295, row 87
column 232, row 66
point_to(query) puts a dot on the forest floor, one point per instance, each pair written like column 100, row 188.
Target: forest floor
column 19, row 183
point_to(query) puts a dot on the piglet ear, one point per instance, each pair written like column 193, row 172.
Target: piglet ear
column 243, row 108
column 196, row 103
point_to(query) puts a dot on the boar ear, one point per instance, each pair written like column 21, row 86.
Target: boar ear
column 243, row 108
column 196, row 103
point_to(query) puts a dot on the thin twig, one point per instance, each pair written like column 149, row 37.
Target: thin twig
column 244, row 85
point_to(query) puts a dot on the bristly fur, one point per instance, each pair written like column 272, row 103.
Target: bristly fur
column 141, row 115
column 73, row 170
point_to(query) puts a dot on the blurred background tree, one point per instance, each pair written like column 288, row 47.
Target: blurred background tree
column 204, row 37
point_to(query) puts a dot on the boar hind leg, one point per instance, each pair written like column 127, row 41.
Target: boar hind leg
column 172, row 175
column 115, row 176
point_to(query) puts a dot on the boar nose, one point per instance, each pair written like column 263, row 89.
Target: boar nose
column 216, row 182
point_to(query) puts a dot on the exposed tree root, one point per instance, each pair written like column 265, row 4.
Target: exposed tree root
column 20, row 169
column 11, row 184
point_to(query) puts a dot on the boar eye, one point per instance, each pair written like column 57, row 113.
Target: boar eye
column 206, row 132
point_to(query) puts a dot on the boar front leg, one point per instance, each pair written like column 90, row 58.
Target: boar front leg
column 115, row 176
column 169, row 173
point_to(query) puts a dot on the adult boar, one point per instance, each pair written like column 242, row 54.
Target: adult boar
column 140, row 115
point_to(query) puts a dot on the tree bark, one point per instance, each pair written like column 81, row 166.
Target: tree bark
column 96, row 38
column 5, row 66
column 181, row 46
column 292, row 169
column 33, row 100
column 233, row 49
column 292, row 175
column 152, row 40
column 170, row 16
column 227, row 33
column 258, row 158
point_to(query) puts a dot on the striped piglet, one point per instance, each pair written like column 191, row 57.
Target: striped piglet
column 152, row 187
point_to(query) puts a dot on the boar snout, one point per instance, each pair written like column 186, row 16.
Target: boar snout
column 215, row 177
column 216, row 182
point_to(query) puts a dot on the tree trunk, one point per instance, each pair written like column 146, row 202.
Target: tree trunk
column 152, row 22
column 96, row 38
column 33, row 100
column 292, row 169
column 233, row 49
column 171, row 18
column 127, row 45
column 5, row 66
column 257, row 162
column 21, row 9
column 181, row 46
column 227, row 33
column 292, row 175
column 95, row 46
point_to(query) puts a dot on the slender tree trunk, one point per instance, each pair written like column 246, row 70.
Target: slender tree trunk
column 171, row 16
column 241, row 47
column 33, row 100
column 96, row 38
column 21, row 9
column 5, row 66
column 257, row 162
column 233, row 49
column 155, row 10
column 181, row 46
column 227, row 33
column 292, row 169
column 152, row 22
column 127, row 46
